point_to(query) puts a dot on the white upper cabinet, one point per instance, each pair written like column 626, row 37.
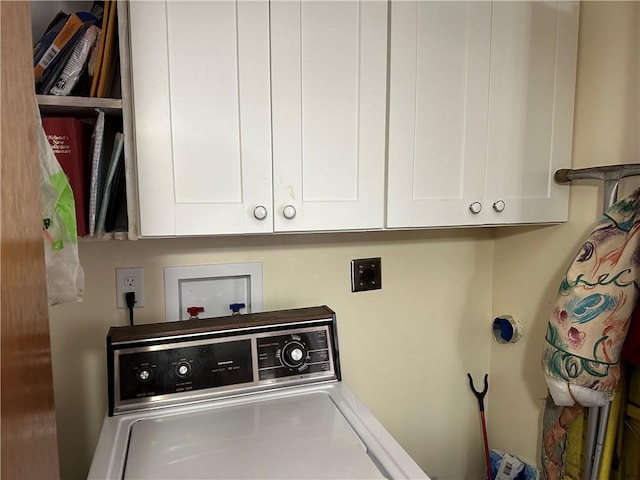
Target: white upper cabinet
column 203, row 117
column 216, row 81
column 480, row 111
column 285, row 116
column 439, row 89
column 533, row 74
column 328, row 66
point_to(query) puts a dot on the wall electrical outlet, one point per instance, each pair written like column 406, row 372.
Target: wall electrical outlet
column 366, row 274
column 130, row 280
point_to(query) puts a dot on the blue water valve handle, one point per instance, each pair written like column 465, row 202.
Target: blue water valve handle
column 506, row 329
column 235, row 308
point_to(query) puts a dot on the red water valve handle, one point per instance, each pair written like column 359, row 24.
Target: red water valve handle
column 194, row 311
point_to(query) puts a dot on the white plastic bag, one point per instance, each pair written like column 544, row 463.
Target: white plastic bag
column 65, row 276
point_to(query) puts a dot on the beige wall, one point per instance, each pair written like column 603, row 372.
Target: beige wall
column 530, row 262
column 405, row 349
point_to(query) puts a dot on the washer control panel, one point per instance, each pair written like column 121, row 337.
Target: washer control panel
column 293, row 354
column 185, row 368
column 180, row 370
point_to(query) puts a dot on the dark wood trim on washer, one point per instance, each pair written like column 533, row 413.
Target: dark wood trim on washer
column 158, row 331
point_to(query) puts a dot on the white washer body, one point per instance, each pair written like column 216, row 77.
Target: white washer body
column 256, row 397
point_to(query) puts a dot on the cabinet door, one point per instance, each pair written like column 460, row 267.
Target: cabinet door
column 533, row 68
column 328, row 67
column 439, row 88
column 202, row 116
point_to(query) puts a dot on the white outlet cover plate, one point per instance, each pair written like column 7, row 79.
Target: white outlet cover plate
column 138, row 275
column 213, row 287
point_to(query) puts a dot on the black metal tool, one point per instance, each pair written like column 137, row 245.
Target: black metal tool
column 480, row 397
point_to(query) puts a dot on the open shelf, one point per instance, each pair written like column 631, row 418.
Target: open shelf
column 73, row 105
column 105, row 236
column 117, row 111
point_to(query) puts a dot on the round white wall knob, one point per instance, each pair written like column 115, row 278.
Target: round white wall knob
column 260, row 212
column 289, row 212
column 475, row 207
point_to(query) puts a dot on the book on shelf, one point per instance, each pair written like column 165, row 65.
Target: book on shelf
column 66, row 61
column 64, row 57
column 50, row 33
column 53, row 45
column 112, row 181
column 73, row 68
column 97, row 60
column 68, row 139
column 47, row 79
column 117, row 219
column 106, row 141
column 109, row 59
column 97, row 141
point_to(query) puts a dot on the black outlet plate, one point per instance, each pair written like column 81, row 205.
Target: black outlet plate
column 366, row 274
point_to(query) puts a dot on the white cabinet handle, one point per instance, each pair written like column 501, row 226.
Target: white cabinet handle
column 289, row 212
column 499, row 206
column 260, row 212
column 475, row 207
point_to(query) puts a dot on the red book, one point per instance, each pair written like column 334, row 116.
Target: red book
column 67, row 137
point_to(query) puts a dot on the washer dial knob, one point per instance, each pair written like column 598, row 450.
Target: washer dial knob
column 144, row 374
column 183, row 369
column 294, row 354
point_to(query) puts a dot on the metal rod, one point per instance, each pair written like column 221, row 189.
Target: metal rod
column 609, row 174
column 606, row 172
column 599, row 416
column 592, row 433
column 599, row 446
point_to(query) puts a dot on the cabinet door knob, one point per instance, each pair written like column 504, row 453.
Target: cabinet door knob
column 475, row 207
column 499, row 205
column 289, row 212
column 260, row 212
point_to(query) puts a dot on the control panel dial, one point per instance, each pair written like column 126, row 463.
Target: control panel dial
column 144, row 374
column 293, row 354
column 183, row 369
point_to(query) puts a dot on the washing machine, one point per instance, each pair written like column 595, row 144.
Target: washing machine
column 256, row 396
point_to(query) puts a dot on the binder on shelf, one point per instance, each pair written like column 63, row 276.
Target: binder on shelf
column 97, row 142
column 117, row 219
column 67, row 137
column 116, row 165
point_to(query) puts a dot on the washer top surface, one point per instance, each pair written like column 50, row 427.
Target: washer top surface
column 291, row 437
column 311, row 431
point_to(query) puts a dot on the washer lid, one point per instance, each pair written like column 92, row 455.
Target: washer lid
column 302, row 436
